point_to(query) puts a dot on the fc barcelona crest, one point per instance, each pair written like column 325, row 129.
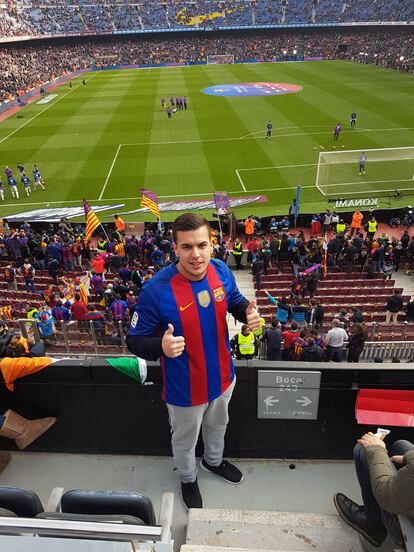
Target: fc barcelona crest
column 218, row 294
column 204, row 298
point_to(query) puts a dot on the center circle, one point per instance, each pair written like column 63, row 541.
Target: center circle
column 252, row 89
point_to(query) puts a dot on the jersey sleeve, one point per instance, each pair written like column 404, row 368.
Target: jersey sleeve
column 146, row 318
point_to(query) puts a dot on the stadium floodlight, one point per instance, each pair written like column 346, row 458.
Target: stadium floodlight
column 220, row 59
column 386, row 170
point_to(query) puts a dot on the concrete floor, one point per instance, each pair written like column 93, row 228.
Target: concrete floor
column 268, row 484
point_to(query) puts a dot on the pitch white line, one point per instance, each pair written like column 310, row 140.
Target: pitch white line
column 368, row 182
column 200, row 141
column 43, row 110
column 278, row 167
column 241, row 180
column 110, row 172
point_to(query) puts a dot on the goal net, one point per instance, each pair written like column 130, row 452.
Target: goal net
column 220, row 59
column 386, row 170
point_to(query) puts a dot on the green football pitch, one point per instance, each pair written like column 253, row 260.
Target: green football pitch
column 106, row 140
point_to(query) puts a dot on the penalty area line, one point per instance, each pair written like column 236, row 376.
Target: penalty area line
column 241, row 181
column 108, row 176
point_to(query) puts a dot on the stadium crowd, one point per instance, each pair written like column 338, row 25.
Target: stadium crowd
column 47, row 18
column 100, row 280
column 26, row 67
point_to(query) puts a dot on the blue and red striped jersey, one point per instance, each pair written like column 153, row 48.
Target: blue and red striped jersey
column 197, row 310
column 119, row 309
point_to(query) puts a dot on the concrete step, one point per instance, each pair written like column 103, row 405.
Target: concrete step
column 275, row 531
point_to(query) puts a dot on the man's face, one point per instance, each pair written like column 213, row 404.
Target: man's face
column 194, row 250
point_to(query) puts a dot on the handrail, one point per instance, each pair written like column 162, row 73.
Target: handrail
column 85, row 529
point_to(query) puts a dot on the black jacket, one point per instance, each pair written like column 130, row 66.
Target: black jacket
column 395, row 303
column 311, row 354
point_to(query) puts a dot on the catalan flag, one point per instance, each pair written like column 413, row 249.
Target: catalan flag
column 92, row 221
column 6, row 312
column 149, row 199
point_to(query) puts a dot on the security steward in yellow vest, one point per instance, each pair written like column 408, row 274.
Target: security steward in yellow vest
column 101, row 245
column 372, row 227
column 244, row 344
column 340, row 227
column 238, row 253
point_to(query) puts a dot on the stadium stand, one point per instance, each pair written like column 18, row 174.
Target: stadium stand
column 45, row 18
column 33, row 65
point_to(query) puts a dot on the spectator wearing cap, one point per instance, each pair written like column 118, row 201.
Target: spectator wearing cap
column 46, row 325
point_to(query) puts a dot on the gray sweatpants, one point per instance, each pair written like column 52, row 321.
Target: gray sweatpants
column 186, row 421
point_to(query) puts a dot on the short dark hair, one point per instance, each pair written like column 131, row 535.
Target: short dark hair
column 187, row 222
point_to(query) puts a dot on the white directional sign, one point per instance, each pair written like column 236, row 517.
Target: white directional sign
column 288, row 394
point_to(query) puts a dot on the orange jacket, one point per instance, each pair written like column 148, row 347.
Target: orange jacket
column 119, row 224
column 357, row 219
column 249, row 226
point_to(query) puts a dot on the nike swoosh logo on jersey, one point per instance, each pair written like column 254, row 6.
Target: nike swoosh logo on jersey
column 186, row 306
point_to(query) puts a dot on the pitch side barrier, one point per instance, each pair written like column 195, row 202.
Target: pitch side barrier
column 101, row 410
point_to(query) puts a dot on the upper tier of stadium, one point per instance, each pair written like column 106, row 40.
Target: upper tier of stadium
column 37, row 18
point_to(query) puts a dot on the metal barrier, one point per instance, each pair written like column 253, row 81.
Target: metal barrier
column 386, row 350
column 30, row 331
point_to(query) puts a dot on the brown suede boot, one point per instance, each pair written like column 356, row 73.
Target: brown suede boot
column 23, row 431
column 4, row 460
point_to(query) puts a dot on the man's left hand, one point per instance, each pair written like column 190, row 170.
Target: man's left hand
column 370, row 439
column 252, row 316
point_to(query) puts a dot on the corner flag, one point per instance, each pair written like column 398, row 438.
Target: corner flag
column 92, row 221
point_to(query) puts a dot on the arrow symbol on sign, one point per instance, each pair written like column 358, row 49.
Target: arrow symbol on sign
column 304, row 401
column 270, row 401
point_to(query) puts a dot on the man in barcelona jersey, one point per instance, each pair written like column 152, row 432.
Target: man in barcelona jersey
column 180, row 317
column 337, row 131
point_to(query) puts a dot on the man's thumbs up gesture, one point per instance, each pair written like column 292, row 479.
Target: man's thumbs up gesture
column 172, row 346
column 252, row 316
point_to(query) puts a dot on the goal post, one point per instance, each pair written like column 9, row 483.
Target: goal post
column 386, row 170
column 220, row 59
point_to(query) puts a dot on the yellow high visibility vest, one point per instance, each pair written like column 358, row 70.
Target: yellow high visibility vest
column 372, row 226
column 246, row 344
column 238, row 249
column 340, row 227
column 259, row 331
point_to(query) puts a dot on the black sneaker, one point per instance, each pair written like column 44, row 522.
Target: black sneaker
column 356, row 517
column 227, row 471
column 191, row 495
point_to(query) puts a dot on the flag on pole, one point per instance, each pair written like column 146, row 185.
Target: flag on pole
column 297, row 204
column 92, row 221
column 150, row 201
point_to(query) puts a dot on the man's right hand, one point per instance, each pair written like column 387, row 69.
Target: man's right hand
column 172, row 346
